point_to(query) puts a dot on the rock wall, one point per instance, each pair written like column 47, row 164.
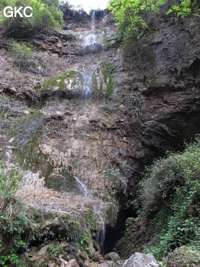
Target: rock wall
column 153, row 107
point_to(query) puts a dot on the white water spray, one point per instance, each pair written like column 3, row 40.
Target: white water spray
column 100, row 237
column 83, row 186
column 86, row 90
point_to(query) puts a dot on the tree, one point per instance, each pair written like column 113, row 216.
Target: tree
column 184, row 8
column 133, row 16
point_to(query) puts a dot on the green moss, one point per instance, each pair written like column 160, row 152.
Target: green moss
column 62, row 181
column 103, row 79
column 183, row 257
column 111, row 213
column 73, row 80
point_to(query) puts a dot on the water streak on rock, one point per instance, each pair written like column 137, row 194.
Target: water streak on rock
column 83, row 186
column 100, row 238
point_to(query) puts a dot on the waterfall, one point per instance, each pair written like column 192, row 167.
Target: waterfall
column 93, row 41
column 99, row 209
column 83, row 186
column 100, row 238
column 87, row 86
column 93, row 20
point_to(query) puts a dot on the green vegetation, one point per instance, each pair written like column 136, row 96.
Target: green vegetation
column 103, row 79
column 169, row 195
column 55, row 250
column 73, row 80
column 45, row 14
column 20, row 225
column 22, row 54
column 182, row 257
column 115, row 182
column 14, row 222
column 133, row 17
column 168, row 200
column 80, row 229
column 170, row 191
column 25, row 58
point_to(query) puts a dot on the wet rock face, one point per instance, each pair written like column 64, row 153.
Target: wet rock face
column 160, row 92
column 171, row 56
column 153, row 110
column 92, row 49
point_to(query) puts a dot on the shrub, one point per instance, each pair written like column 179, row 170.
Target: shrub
column 55, row 250
column 167, row 176
column 169, row 194
column 25, row 57
column 182, row 257
column 22, row 54
column 134, row 17
column 14, row 221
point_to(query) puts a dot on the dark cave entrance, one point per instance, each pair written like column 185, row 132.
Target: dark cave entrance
column 113, row 234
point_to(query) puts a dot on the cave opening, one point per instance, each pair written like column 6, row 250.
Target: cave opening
column 113, row 234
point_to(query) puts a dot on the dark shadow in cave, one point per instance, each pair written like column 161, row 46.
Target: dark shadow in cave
column 113, row 234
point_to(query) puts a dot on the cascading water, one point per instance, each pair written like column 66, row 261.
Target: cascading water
column 80, row 122
column 100, row 238
column 92, row 42
column 83, row 186
column 99, row 209
column 86, row 90
column 92, row 38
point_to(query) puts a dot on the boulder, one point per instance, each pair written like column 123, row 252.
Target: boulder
column 72, row 263
column 113, row 256
column 183, row 256
column 93, row 264
column 141, row 260
column 43, row 250
column 84, row 255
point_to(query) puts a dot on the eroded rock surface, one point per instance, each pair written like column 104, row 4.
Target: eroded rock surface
column 150, row 109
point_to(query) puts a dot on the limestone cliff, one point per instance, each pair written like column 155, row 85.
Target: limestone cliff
column 97, row 112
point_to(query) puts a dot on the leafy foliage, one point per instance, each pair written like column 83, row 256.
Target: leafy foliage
column 181, row 257
column 22, row 54
column 129, row 15
column 184, row 8
column 25, row 58
column 170, row 194
column 14, row 221
column 134, row 16
column 55, row 250
column 168, row 176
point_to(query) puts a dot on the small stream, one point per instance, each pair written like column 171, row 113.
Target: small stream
column 83, row 186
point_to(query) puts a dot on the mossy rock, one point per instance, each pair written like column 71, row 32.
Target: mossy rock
column 72, row 81
column 183, row 257
column 102, row 80
column 61, row 182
